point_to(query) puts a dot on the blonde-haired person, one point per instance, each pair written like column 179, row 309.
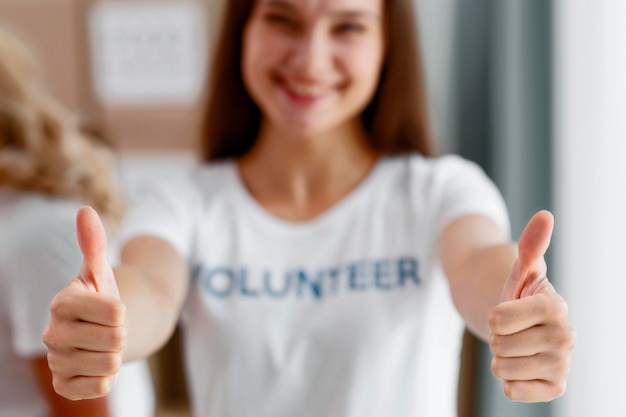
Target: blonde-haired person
column 48, row 168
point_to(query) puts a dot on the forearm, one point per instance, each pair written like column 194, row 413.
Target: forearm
column 151, row 313
column 476, row 284
column 153, row 281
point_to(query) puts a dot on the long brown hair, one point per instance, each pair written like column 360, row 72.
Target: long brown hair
column 395, row 120
column 42, row 148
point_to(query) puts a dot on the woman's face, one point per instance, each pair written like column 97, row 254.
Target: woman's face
column 313, row 65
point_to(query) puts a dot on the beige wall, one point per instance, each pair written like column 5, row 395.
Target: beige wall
column 57, row 31
column 51, row 29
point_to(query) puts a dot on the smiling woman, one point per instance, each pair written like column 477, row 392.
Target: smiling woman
column 322, row 260
column 393, row 121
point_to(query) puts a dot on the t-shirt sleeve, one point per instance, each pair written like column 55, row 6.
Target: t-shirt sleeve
column 44, row 262
column 164, row 210
column 462, row 188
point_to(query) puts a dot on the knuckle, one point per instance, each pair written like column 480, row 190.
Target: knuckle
column 62, row 300
column 55, row 335
column 563, row 305
column 496, row 320
column 52, row 362
column 562, row 366
column 496, row 367
column 57, row 306
column 496, row 345
column 61, row 387
column 558, row 389
column 102, row 386
column 115, row 312
column 60, row 366
column 48, row 338
column 112, row 363
column 560, row 314
column 572, row 339
column 564, row 339
column 510, row 390
column 557, row 308
column 116, row 339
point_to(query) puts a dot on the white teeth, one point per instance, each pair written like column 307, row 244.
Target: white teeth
column 307, row 90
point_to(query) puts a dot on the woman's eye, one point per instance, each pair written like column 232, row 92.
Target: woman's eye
column 349, row 28
column 279, row 19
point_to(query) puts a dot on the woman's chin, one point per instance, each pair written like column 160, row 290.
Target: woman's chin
column 303, row 129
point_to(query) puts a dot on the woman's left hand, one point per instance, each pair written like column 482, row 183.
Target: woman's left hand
column 531, row 337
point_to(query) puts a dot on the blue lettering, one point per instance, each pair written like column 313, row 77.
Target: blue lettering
column 267, row 278
column 243, row 285
column 219, row 282
column 407, row 269
column 360, row 275
column 315, row 284
column 381, row 272
column 356, row 272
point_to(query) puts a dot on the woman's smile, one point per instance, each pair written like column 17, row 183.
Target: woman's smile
column 306, row 92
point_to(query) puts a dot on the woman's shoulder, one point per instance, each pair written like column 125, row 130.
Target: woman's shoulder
column 181, row 189
column 199, row 173
column 215, row 170
column 416, row 164
column 182, row 180
column 216, row 177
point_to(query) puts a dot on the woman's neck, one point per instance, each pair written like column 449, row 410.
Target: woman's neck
column 299, row 178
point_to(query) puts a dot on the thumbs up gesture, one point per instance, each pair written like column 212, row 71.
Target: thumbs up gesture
column 531, row 337
column 85, row 335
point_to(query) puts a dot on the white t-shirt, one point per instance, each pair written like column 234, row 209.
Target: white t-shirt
column 346, row 315
column 39, row 255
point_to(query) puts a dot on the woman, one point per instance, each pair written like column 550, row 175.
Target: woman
column 322, row 261
column 47, row 170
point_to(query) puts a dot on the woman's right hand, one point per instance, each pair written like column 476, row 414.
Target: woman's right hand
column 85, row 335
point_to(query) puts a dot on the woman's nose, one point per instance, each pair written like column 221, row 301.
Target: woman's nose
column 310, row 54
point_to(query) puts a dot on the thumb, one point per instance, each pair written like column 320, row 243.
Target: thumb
column 535, row 239
column 96, row 273
column 530, row 268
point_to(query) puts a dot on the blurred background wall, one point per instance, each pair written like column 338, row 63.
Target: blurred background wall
column 133, row 70
column 532, row 90
column 590, row 198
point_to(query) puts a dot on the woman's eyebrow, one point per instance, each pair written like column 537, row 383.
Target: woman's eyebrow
column 356, row 14
column 348, row 13
column 280, row 3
